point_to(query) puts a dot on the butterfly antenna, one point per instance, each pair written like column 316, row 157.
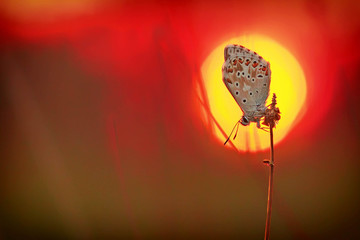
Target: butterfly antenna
column 236, row 125
column 237, row 129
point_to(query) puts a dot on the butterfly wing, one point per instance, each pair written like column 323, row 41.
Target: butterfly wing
column 247, row 76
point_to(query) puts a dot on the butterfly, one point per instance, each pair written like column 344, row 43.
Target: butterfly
column 247, row 77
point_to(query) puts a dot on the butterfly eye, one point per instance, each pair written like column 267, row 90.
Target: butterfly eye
column 244, row 100
column 248, row 76
column 243, row 73
column 237, row 92
column 259, row 76
column 238, row 73
column 244, row 121
column 253, row 79
column 237, row 50
column 257, row 91
column 250, row 93
column 237, row 84
column 264, row 84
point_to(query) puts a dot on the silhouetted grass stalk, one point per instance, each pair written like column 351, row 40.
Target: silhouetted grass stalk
column 271, row 117
column 270, row 187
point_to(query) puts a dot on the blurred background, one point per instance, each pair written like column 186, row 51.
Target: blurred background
column 103, row 135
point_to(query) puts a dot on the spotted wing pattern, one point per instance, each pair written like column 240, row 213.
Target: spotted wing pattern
column 247, row 77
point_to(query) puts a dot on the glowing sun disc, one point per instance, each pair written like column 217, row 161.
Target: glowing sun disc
column 287, row 81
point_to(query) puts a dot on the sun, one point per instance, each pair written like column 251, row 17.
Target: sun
column 287, row 81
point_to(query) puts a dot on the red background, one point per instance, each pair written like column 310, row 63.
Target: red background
column 103, row 135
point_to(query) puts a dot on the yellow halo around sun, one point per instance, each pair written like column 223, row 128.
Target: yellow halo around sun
column 287, row 81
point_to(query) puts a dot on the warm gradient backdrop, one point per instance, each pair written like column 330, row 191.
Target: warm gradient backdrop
column 106, row 130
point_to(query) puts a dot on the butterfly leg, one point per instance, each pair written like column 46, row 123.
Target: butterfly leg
column 265, row 129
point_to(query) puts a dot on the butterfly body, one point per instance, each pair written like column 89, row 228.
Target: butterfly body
column 247, row 77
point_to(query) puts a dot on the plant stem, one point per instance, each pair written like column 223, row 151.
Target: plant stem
column 270, row 187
